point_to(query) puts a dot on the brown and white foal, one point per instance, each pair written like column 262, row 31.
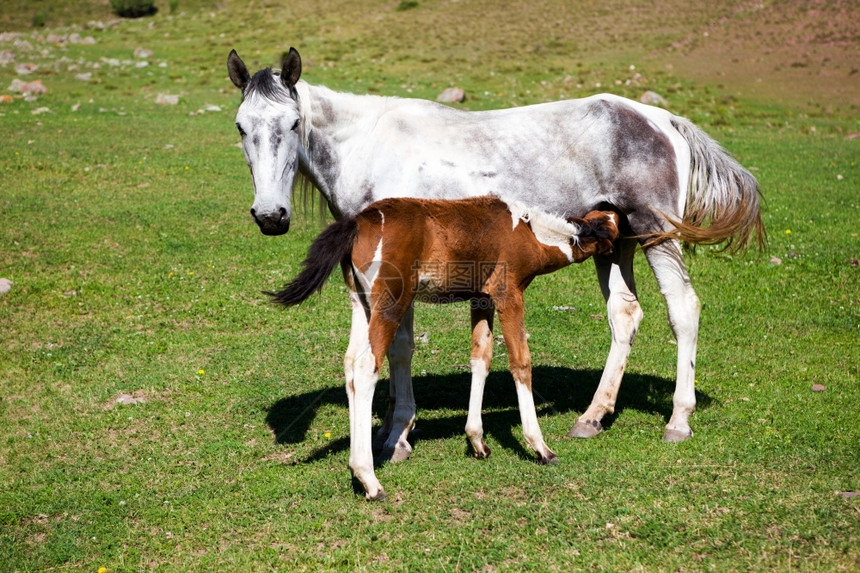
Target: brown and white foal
column 482, row 250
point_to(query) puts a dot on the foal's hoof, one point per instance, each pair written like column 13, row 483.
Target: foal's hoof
column 675, row 436
column 482, row 452
column 396, row 454
column 479, row 448
column 587, row 429
column 550, row 460
column 378, row 444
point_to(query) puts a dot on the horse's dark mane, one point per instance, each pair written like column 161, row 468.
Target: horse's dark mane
column 268, row 84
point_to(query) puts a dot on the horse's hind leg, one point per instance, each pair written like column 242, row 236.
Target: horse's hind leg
column 482, row 355
column 615, row 273
column 684, row 307
column 400, row 418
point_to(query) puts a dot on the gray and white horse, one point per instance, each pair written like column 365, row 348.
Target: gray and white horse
column 670, row 182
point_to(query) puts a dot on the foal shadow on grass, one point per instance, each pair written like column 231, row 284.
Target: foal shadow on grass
column 557, row 392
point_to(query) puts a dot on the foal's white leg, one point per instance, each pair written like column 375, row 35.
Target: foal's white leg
column 615, row 273
column 684, row 308
column 399, row 421
column 358, row 335
column 531, row 428
column 361, row 378
column 519, row 359
column 482, row 355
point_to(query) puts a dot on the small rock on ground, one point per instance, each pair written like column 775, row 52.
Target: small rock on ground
column 652, row 98
column 452, row 95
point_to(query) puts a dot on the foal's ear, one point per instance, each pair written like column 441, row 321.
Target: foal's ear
column 612, row 224
column 291, row 68
column 238, row 72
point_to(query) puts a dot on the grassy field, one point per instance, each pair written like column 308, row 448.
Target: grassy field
column 158, row 413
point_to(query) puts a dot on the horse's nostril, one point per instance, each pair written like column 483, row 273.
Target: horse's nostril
column 254, row 213
column 283, row 211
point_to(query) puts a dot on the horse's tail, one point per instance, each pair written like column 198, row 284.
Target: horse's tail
column 332, row 247
column 724, row 201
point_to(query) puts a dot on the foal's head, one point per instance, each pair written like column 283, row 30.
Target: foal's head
column 268, row 121
column 598, row 231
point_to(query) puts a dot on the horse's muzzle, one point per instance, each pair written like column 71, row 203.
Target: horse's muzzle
column 277, row 223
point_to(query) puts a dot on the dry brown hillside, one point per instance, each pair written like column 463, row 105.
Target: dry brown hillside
column 790, row 51
column 798, row 52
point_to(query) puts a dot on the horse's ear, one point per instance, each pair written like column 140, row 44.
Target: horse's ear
column 291, row 68
column 238, row 72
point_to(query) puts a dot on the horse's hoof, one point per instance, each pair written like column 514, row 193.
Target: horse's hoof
column 380, row 496
column 551, row 460
column 587, row 429
column 675, row 436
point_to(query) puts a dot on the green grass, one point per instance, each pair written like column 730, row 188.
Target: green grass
column 136, row 270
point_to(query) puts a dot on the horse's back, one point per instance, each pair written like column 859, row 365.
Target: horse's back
column 566, row 157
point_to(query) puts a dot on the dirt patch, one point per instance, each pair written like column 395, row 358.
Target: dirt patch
column 789, row 51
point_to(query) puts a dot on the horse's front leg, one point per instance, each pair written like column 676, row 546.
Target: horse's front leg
column 511, row 316
column 482, row 355
column 615, row 273
column 391, row 438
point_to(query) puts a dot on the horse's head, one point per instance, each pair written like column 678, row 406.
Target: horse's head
column 268, row 121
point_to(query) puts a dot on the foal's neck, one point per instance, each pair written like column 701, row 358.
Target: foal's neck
column 553, row 233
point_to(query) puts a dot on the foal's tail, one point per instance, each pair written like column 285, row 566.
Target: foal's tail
column 724, row 200
column 332, row 247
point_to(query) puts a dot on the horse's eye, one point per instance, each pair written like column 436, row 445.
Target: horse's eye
column 241, row 131
column 295, row 126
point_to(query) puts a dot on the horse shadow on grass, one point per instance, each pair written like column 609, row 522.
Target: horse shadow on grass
column 557, row 391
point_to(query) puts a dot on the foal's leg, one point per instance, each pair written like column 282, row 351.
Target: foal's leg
column 391, row 438
column 684, row 307
column 482, row 355
column 357, row 336
column 362, row 374
column 511, row 316
column 615, row 273
column 385, row 429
